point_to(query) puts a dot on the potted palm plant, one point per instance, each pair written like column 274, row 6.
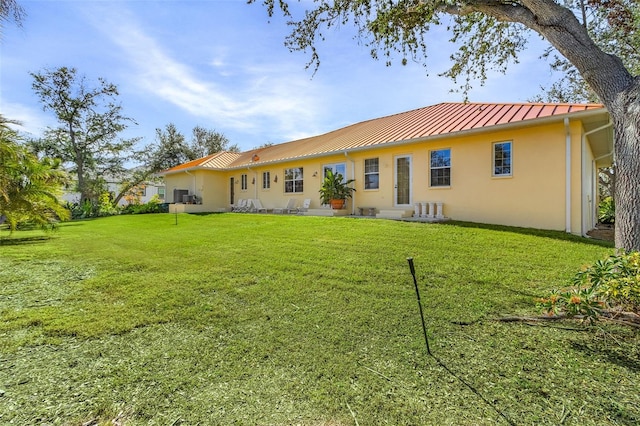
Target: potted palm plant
column 335, row 190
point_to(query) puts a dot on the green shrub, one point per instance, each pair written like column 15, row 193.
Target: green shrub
column 608, row 283
column 573, row 302
column 87, row 209
column 105, row 205
column 153, row 206
column 607, row 210
column 621, row 284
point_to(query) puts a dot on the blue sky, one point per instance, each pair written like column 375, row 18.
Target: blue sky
column 222, row 65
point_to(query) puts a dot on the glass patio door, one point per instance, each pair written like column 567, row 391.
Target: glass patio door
column 402, row 195
column 232, row 193
column 336, row 168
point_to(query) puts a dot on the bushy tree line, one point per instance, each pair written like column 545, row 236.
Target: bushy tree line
column 86, row 143
column 104, row 207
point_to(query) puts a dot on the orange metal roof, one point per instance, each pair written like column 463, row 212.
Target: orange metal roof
column 219, row 160
column 422, row 123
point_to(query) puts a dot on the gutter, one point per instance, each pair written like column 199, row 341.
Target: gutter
column 608, row 154
column 567, row 177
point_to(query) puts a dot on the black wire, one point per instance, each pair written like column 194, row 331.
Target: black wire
column 442, row 364
column 474, row 390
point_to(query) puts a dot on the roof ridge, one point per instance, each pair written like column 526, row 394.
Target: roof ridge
column 434, row 106
column 520, row 103
column 464, row 104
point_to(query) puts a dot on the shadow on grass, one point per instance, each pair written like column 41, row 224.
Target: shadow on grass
column 622, row 414
column 14, row 241
column 618, row 357
column 74, row 222
column 556, row 235
column 517, row 292
column 207, row 213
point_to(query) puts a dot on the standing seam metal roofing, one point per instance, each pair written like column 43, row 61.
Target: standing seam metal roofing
column 420, row 123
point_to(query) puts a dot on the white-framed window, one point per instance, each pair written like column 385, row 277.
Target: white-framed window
column 371, row 173
column 244, row 184
column 502, row 159
column 293, row 180
column 161, row 193
column 266, row 180
column 336, row 168
column 440, row 167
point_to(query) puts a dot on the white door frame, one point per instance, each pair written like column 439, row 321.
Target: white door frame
column 409, row 180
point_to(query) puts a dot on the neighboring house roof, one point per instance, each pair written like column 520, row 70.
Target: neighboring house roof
column 419, row 124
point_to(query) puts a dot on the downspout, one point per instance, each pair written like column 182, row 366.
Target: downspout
column 567, row 177
column 593, row 165
column 353, row 173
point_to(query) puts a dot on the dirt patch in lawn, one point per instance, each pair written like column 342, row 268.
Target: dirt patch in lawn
column 603, row 232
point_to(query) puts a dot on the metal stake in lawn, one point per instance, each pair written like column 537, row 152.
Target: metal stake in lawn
column 415, row 283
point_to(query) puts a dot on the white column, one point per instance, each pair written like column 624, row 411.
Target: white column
column 439, row 214
column 425, row 210
column 416, row 210
column 431, row 209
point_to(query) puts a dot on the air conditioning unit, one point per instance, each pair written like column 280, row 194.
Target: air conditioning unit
column 178, row 195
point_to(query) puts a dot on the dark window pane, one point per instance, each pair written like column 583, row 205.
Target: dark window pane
column 371, row 181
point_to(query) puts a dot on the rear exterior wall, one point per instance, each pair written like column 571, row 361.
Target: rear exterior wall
column 532, row 196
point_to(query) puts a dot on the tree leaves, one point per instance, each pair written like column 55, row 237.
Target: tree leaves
column 29, row 187
column 173, row 149
column 90, row 122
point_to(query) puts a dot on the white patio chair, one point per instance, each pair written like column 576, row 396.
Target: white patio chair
column 240, row 206
column 291, row 207
column 257, row 206
column 305, row 205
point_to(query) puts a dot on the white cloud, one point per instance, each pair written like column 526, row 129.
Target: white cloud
column 221, row 65
column 277, row 93
column 33, row 121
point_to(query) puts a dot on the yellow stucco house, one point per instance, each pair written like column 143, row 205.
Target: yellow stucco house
column 528, row 165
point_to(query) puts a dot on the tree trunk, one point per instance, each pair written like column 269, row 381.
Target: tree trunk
column 78, row 159
column 82, row 184
column 618, row 90
column 625, row 114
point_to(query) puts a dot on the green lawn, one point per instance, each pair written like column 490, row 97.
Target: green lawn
column 285, row 320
